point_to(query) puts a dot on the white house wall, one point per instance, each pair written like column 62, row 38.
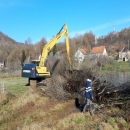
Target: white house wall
column 105, row 52
column 124, row 55
column 79, row 55
column 1, row 65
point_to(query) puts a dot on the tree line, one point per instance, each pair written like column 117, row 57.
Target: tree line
column 14, row 55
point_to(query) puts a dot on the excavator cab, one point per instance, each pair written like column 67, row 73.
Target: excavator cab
column 36, row 62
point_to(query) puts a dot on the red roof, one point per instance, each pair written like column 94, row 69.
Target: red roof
column 96, row 50
column 83, row 51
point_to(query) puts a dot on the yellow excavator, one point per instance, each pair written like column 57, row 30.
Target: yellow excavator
column 37, row 70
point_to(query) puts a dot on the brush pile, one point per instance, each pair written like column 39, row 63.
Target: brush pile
column 71, row 85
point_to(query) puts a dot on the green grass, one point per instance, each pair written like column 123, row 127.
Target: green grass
column 117, row 66
column 14, row 85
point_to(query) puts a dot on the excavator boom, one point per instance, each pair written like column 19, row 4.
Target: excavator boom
column 42, row 70
column 34, row 71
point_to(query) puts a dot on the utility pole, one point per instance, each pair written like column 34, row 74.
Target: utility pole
column 128, row 45
column 95, row 40
column 114, row 28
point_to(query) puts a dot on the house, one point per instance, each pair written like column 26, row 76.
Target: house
column 80, row 54
column 2, row 65
column 124, row 54
column 98, row 51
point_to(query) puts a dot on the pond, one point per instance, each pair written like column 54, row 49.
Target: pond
column 116, row 78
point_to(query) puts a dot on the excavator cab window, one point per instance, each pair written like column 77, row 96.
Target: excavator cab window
column 36, row 62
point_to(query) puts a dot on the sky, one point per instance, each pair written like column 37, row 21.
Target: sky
column 35, row 19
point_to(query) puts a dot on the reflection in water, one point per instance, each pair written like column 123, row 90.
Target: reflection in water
column 116, row 78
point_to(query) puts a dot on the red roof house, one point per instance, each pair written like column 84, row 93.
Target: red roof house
column 98, row 51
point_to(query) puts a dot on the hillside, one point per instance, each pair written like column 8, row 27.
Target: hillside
column 115, row 41
column 8, row 48
column 11, row 52
column 5, row 40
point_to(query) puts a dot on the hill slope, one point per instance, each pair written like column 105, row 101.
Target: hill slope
column 4, row 39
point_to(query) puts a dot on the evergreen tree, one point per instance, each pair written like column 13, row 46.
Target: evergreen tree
column 54, row 50
column 23, row 58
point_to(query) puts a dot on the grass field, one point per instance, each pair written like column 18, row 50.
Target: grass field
column 117, row 66
column 14, row 85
